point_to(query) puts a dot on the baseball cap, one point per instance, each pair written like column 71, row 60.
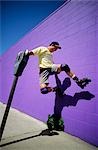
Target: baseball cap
column 56, row 44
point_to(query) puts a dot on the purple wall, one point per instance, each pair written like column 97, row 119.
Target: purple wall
column 75, row 26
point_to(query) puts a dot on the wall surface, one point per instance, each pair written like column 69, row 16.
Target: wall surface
column 75, row 26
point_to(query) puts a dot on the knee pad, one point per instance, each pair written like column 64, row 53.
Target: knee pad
column 65, row 67
column 44, row 90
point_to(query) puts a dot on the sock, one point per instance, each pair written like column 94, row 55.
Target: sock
column 75, row 78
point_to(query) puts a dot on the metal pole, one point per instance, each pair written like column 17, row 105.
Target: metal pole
column 20, row 64
column 8, row 106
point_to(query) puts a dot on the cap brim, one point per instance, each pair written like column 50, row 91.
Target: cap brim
column 58, row 46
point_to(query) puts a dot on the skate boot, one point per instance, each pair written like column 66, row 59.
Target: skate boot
column 83, row 82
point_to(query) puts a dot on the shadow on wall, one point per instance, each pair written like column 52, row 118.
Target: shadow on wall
column 62, row 100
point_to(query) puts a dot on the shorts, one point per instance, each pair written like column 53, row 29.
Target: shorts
column 46, row 72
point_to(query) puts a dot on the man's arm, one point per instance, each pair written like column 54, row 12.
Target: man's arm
column 29, row 52
column 35, row 51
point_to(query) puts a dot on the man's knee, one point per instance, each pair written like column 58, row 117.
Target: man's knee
column 65, row 67
column 44, row 90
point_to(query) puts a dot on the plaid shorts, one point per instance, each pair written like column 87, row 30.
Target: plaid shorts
column 46, row 72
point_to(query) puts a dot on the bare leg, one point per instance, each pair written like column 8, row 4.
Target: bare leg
column 70, row 74
column 81, row 83
column 68, row 71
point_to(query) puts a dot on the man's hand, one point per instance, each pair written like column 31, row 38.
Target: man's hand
column 27, row 52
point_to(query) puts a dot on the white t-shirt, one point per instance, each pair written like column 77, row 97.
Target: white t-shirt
column 45, row 57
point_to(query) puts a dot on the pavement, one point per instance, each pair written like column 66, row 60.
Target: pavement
column 23, row 132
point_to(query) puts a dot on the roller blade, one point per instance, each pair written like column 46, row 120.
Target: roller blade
column 83, row 82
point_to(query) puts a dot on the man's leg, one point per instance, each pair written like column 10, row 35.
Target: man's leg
column 44, row 84
column 82, row 83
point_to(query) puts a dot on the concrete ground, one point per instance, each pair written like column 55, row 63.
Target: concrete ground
column 22, row 132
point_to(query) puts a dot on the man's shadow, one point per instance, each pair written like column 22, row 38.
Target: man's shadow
column 62, row 100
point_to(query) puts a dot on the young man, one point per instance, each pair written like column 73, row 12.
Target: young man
column 47, row 67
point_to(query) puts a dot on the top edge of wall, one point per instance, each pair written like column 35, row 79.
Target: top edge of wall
column 65, row 3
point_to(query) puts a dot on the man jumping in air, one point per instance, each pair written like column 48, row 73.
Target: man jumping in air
column 47, row 67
